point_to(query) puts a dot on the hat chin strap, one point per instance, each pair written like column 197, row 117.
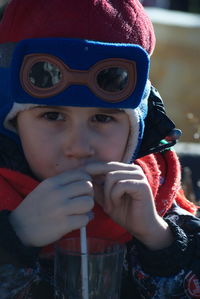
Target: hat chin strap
column 133, row 138
column 136, row 126
column 16, row 108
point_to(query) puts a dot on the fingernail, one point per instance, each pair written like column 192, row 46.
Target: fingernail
column 90, row 215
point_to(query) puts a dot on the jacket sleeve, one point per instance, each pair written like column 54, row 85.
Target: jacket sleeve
column 19, row 266
column 174, row 270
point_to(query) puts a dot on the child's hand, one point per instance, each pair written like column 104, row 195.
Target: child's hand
column 127, row 198
column 57, row 206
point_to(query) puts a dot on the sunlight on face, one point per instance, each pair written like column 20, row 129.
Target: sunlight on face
column 57, row 139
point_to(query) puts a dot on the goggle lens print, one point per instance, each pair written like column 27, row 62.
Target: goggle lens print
column 44, row 75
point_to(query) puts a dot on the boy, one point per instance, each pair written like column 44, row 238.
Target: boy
column 75, row 115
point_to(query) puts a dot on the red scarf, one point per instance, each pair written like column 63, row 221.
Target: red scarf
column 163, row 174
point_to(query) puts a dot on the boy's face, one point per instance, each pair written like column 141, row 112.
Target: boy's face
column 57, row 139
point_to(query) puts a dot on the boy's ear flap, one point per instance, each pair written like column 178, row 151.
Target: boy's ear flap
column 160, row 132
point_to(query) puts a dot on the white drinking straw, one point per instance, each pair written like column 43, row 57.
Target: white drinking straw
column 84, row 263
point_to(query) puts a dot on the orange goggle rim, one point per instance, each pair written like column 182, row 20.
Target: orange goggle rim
column 78, row 77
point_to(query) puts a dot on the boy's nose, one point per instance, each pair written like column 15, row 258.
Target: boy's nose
column 78, row 145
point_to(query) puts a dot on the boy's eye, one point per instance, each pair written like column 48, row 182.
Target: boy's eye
column 52, row 116
column 102, row 118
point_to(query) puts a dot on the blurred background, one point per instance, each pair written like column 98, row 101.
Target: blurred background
column 181, row 5
column 175, row 72
column 175, row 63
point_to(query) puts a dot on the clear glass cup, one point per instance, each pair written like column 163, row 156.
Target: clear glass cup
column 105, row 263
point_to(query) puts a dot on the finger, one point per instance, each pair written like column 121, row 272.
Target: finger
column 68, row 177
column 74, row 189
column 114, row 177
column 119, row 191
column 98, row 168
column 74, row 222
column 79, row 205
column 137, row 191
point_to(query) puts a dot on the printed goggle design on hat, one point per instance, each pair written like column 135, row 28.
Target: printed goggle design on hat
column 44, row 75
column 73, row 72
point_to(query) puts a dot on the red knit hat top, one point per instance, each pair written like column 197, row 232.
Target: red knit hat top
column 123, row 21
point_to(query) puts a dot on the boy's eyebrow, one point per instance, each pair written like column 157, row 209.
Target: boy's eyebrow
column 47, row 106
column 110, row 110
column 100, row 110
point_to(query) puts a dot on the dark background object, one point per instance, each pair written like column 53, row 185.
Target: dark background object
column 189, row 155
column 3, row 4
column 181, row 5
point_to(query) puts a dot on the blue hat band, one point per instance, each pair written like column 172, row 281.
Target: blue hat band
column 81, row 55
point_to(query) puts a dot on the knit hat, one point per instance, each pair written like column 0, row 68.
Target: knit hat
column 122, row 30
column 116, row 21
